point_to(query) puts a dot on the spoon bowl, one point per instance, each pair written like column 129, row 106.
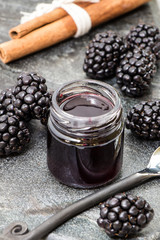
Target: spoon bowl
column 154, row 163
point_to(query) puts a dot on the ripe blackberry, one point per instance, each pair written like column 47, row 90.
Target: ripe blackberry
column 124, row 215
column 135, row 72
column 103, row 55
column 145, row 36
column 6, row 105
column 31, row 99
column 144, row 119
column 13, row 134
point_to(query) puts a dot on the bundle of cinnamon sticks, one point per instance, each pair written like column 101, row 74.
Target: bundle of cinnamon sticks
column 57, row 25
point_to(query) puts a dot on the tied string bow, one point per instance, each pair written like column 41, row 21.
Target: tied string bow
column 79, row 15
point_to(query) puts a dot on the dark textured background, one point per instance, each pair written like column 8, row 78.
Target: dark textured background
column 28, row 192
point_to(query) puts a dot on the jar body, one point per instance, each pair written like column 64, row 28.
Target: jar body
column 85, row 134
column 85, row 167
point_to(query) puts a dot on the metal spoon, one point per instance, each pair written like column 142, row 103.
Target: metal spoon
column 19, row 231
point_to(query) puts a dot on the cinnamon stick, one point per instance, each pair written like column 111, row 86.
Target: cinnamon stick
column 29, row 26
column 64, row 28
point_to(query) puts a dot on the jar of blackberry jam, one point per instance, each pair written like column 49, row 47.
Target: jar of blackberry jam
column 85, row 134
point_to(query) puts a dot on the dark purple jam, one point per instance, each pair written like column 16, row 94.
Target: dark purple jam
column 86, row 105
column 88, row 166
column 84, row 168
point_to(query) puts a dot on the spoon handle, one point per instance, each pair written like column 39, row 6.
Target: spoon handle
column 83, row 204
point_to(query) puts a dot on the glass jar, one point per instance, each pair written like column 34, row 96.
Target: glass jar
column 85, row 134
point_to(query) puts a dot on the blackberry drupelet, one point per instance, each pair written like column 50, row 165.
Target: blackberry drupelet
column 6, row 105
column 103, row 55
column 144, row 120
column 136, row 71
column 31, row 99
column 124, row 215
column 145, row 36
column 13, row 134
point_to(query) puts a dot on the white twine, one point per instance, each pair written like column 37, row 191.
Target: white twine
column 79, row 15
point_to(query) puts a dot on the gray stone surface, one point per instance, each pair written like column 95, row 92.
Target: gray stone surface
column 28, row 192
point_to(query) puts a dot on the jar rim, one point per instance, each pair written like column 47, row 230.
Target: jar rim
column 82, row 118
column 79, row 130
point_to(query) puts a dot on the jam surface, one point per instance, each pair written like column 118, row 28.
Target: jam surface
column 86, row 105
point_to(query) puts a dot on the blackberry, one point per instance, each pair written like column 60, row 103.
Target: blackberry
column 124, row 215
column 13, row 134
column 6, row 105
column 145, row 36
column 103, row 55
column 136, row 71
column 144, row 119
column 31, row 99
